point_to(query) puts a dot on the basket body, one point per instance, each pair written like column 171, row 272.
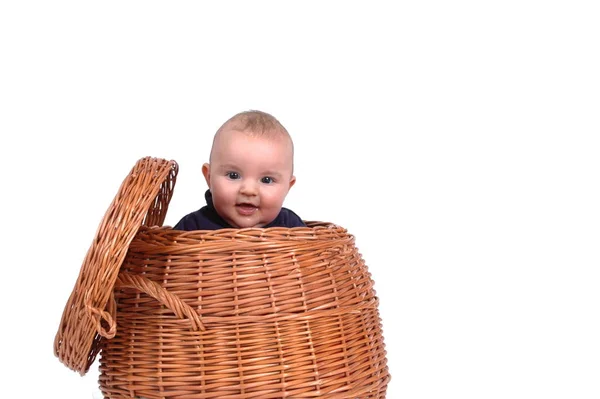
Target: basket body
column 250, row 313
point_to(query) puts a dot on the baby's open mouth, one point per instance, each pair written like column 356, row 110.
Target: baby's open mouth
column 246, row 208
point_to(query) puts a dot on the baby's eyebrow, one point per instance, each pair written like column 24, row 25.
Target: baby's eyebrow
column 228, row 166
column 272, row 173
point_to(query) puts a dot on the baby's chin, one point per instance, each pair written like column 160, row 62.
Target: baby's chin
column 240, row 224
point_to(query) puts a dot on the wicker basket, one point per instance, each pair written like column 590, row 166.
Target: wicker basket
column 233, row 313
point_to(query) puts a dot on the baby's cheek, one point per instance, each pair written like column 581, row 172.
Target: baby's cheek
column 272, row 202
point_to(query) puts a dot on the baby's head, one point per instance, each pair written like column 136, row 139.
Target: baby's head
column 251, row 169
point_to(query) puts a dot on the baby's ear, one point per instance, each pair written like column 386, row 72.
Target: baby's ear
column 206, row 173
column 292, row 181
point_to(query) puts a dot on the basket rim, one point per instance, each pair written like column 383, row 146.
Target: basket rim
column 229, row 232
column 142, row 199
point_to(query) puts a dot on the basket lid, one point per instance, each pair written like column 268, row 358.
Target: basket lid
column 142, row 199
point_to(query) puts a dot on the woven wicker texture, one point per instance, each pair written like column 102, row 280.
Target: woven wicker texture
column 88, row 316
column 249, row 313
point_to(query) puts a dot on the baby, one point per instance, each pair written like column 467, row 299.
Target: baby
column 249, row 174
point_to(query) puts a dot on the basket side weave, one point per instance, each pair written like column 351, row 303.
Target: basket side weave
column 288, row 313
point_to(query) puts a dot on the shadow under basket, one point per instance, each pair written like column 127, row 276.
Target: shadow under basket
column 240, row 314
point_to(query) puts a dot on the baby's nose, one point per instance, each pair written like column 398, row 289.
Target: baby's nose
column 248, row 187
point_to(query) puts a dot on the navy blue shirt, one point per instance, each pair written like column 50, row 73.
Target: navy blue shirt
column 207, row 218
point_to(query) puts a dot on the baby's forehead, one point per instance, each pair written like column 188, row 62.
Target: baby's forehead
column 234, row 132
column 229, row 142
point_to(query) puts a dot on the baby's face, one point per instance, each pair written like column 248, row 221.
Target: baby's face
column 249, row 177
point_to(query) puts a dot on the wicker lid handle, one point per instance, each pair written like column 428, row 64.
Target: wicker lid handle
column 99, row 316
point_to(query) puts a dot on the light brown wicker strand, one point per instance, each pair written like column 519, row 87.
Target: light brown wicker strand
column 100, row 317
column 313, row 374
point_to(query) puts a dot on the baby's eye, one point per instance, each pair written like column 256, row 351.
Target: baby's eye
column 233, row 175
column 267, row 180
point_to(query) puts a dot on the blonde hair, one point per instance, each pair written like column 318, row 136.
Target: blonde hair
column 256, row 123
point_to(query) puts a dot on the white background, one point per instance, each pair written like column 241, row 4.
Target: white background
column 456, row 140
